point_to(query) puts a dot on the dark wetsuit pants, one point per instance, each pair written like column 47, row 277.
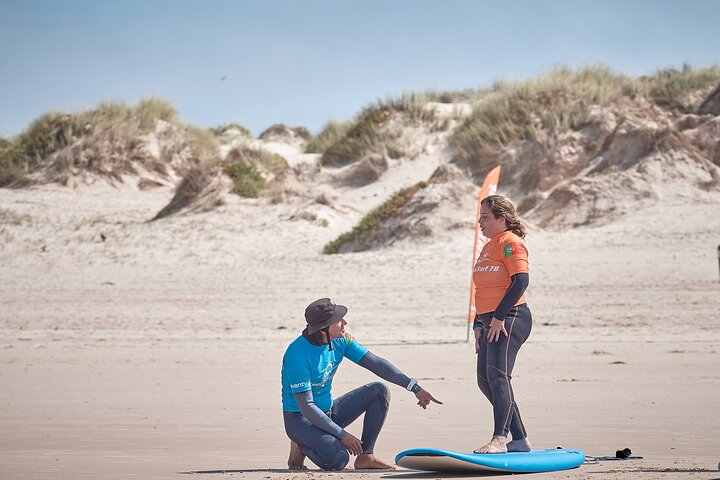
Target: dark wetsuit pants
column 326, row 451
column 495, row 363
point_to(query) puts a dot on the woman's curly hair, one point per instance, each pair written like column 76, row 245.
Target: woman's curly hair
column 502, row 207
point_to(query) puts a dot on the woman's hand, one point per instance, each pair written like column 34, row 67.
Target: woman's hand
column 478, row 333
column 424, row 398
column 496, row 326
column 352, row 443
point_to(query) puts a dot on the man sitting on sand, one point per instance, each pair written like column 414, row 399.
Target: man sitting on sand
column 313, row 421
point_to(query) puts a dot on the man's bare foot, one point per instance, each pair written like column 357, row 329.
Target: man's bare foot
column 368, row 460
column 496, row 445
column 296, row 460
column 522, row 445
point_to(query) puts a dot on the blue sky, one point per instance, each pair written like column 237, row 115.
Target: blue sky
column 304, row 62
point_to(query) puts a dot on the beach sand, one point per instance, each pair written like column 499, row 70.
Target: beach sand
column 156, row 352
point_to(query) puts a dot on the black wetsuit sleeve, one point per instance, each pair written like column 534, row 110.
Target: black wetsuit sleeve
column 518, row 284
column 316, row 416
column 384, row 369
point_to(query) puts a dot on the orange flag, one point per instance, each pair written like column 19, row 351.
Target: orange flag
column 489, row 187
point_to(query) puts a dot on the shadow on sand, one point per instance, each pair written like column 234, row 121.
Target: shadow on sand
column 282, row 470
column 415, row 474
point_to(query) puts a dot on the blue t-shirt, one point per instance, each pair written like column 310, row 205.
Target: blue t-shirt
column 306, row 366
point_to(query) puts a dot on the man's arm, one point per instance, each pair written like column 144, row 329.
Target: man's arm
column 384, row 369
column 316, row 416
column 387, row 371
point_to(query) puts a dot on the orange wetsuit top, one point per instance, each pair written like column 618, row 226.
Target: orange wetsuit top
column 501, row 258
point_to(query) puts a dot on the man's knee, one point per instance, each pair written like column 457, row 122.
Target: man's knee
column 338, row 461
column 381, row 390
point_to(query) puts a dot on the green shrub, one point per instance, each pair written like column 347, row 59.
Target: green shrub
column 374, row 219
column 247, row 182
column 246, row 166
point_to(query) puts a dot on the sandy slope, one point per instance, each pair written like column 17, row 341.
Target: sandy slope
column 157, row 351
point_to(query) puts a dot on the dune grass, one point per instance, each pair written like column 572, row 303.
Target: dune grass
column 221, row 130
column 248, row 168
column 280, row 129
column 10, row 174
column 374, row 219
column 362, row 136
column 543, row 108
column 103, row 140
column 348, row 143
column 672, row 88
column 331, row 133
column 549, row 104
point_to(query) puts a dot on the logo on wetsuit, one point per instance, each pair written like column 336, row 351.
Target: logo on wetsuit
column 509, row 249
column 489, row 268
column 327, row 374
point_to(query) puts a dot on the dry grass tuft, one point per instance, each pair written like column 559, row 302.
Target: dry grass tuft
column 107, row 141
column 538, row 109
column 672, row 88
column 191, row 187
column 543, row 109
column 331, row 133
column 279, row 130
column 369, row 133
column 230, row 129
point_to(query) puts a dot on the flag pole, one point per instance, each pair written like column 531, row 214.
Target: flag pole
column 489, row 187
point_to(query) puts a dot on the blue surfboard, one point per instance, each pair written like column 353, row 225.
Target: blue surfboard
column 436, row 460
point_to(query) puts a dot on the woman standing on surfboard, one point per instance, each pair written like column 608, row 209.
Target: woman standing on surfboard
column 504, row 323
column 314, row 422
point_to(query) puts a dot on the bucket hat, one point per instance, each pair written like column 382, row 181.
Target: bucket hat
column 322, row 313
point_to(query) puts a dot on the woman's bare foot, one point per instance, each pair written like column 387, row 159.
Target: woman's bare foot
column 368, row 460
column 522, row 445
column 296, row 460
column 496, row 445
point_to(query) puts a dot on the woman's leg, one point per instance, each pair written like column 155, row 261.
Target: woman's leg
column 324, row 450
column 482, row 380
column 500, row 359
